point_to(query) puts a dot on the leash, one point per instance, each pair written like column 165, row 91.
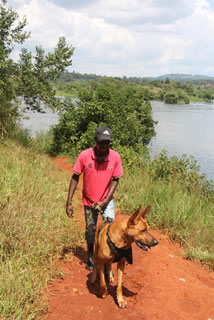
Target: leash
column 97, row 208
column 100, row 212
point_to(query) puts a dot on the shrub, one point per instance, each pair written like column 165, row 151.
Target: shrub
column 124, row 110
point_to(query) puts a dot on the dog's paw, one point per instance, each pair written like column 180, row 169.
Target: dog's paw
column 104, row 293
column 122, row 304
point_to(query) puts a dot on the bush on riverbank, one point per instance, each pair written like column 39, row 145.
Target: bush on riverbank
column 181, row 199
column 34, row 228
column 125, row 110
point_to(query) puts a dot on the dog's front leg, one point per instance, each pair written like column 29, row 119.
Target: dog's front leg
column 110, row 274
column 120, row 269
column 103, row 287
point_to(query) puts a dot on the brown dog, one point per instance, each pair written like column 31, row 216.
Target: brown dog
column 113, row 244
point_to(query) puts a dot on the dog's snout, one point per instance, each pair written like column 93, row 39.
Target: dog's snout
column 155, row 242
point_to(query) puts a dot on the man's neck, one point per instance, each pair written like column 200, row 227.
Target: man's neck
column 100, row 155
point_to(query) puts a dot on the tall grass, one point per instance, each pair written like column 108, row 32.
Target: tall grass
column 41, row 143
column 185, row 213
column 33, row 228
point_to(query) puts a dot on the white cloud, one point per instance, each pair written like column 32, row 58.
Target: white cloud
column 137, row 12
column 126, row 37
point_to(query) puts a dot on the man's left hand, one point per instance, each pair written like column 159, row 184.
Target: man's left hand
column 102, row 204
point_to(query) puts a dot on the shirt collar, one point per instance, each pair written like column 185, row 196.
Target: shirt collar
column 94, row 157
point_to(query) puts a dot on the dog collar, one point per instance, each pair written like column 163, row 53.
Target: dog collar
column 119, row 253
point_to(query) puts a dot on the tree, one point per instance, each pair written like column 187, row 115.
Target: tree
column 206, row 95
column 35, row 74
column 123, row 109
column 167, row 81
column 156, row 83
column 29, row 77
column 182, row 97
column 171, row 98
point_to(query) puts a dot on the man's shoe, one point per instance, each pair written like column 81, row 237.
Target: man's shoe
column 89, row 266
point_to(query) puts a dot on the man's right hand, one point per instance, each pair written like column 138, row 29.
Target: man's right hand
column 69, row 210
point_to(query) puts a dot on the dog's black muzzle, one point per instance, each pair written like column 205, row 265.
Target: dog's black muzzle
column 146, row 247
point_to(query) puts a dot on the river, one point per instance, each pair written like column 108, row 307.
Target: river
column 186, row 129
column 181, row 129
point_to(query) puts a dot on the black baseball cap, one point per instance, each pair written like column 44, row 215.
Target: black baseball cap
column 103, row 133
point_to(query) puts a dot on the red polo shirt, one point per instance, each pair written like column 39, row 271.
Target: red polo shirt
column 97, row 177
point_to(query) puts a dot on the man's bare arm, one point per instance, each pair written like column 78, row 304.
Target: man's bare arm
column 72, row 187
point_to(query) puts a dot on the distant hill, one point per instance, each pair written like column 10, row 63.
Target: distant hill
column 72, row 76
column 181, row 77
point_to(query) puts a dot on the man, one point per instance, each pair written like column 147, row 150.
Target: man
column 101, row 168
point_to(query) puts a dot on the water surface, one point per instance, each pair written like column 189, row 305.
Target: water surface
column 186, row 129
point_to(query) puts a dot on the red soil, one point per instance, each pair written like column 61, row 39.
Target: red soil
column 160, row 284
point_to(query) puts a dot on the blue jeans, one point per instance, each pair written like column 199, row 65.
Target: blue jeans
column 91, row 220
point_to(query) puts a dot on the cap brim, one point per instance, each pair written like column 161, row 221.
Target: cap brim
column 104, row 137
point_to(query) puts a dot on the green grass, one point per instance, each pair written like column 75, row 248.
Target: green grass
column 187, row 216
column 34, row 228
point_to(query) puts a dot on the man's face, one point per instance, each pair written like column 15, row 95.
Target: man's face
column 103, row 146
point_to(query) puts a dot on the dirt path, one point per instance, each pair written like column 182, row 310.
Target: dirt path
column 159, row 285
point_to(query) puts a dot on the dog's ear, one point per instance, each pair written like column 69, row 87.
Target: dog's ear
column 138, row 214
column 145, row 212
column 135, row 216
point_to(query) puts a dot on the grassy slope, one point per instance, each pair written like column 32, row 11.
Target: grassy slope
column 33, row 228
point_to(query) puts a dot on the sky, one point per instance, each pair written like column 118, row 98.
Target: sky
column 132, row 38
